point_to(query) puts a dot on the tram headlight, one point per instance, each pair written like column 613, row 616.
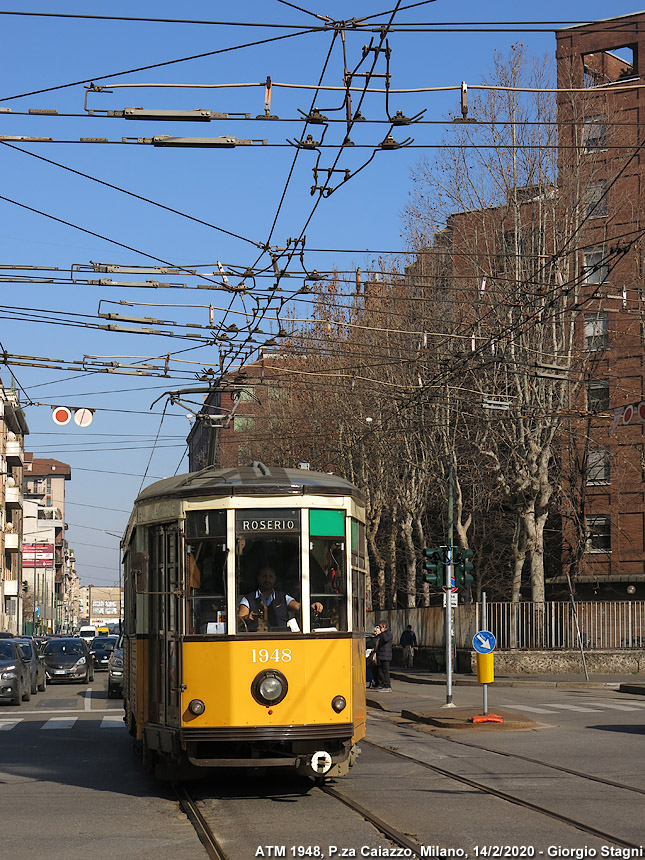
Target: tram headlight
column 338, row 703
column 269, row 687
column 196, row 707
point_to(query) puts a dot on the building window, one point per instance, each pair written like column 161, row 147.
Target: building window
column 598, row 467
column 594, row 134
column 595, row 269
column 243, row 423
column 597, row 330
column 598, row 533
column 595, row 200
column 598, row 395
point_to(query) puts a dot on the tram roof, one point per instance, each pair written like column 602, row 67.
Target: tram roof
column 256, row 479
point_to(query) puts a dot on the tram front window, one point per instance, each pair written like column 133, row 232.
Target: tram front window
column 328, row 586
column 268, row 585
column 206, row 572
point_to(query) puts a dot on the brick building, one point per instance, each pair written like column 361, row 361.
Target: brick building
column 606, row 59
column 571, row 249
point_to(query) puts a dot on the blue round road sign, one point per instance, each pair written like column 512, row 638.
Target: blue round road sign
column 484, row 642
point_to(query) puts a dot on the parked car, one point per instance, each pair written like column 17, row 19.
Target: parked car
column 68, row 659
column 115, row 672
column 14, row 674
column 100, row 649
column 36, row 665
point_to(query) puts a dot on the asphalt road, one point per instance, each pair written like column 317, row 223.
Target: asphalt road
column 72, row 787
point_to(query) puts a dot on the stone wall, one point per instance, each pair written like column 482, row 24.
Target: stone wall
column 532, row 662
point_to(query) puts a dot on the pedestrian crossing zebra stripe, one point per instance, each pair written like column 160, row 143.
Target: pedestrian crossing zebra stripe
column 59, row 723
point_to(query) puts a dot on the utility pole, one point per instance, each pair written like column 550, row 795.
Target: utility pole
column 448, row 586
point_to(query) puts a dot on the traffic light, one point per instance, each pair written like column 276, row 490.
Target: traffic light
column 462, row 566
column 433, row 564
column 25, row 586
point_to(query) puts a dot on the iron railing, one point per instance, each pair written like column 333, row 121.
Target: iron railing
column 601, row 625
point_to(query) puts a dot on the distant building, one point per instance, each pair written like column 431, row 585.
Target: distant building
column 100, row 604
column 44, row 489
column 225, row 430
column 13, row 429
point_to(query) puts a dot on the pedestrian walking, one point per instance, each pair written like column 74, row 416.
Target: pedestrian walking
column 383, row 648
column 408, row 642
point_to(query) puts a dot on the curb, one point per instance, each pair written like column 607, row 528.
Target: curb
column 461, row 718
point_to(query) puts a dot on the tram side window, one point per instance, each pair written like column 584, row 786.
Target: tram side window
column 206, row 571
column 268, row 584
column 328, row 584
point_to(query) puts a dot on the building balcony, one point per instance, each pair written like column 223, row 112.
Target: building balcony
column 14, row 453
column 11, row 542
column 13, row 497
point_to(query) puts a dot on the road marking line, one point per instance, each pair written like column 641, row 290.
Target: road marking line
column 88, row 699
column 528, row 708
column 46, row 711
column 575, row 708
column 613, row 706
column 112, row 723
column 7, row 725
column 60, row 723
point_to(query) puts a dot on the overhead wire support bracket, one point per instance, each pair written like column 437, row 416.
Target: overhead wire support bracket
column 268, row 91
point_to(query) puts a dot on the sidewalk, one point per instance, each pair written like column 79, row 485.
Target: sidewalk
column 416, row 695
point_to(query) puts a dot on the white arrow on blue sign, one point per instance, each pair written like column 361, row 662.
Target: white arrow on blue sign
column 484, row 642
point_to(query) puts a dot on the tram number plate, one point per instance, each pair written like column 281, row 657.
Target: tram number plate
column 278, row 655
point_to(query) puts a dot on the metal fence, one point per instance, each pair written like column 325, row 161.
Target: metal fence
column 530, row 626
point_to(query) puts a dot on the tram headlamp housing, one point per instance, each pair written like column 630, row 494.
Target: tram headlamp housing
column 269, row 687
column 339, row 703
column 196, row 707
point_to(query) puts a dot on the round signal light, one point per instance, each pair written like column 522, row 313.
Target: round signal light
column 269, row 687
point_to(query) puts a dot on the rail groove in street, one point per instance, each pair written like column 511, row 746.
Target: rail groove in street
column 511, row 798
column 206, row 836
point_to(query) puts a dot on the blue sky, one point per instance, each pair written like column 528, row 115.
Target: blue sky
column 236, row 189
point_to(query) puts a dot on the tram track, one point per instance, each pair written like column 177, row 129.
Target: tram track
column 513, row 799
column 204, row 831
column 519, row 757
column 385, row 828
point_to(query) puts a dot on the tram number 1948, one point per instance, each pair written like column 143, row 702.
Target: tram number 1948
column 278, row 655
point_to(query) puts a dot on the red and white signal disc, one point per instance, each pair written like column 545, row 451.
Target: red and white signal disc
column 628, row 414
column 61, row 415
column 83, row 417
column 641, row 411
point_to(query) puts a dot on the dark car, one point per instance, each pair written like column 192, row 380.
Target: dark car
column 115, row 672
column 101, row 648
column 67, row 658
column 30, row 656
column 14, row 673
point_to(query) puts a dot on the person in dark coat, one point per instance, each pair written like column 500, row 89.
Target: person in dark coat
column 408, row 642
column 383, row 648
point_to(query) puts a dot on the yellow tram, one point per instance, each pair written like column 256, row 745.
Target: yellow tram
column 244, row 621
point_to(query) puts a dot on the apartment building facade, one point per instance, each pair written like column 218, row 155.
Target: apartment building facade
column 606, row 61
column 13, row 429
column 49, row 575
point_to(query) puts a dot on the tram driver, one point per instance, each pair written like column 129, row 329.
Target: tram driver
column 267, row 608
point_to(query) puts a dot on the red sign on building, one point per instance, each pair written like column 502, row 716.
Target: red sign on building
column 38, row 555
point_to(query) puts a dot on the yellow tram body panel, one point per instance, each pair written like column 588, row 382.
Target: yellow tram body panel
column 317, row 670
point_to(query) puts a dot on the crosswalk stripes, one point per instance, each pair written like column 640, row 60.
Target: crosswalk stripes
column 60, row 723
column 596, row 707
column 528, row 709
column 112, row 722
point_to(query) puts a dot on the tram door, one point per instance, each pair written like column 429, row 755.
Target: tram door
column 164, row 678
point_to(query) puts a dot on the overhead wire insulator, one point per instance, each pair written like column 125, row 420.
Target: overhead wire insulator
column 314, row 117
column 267, row 101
